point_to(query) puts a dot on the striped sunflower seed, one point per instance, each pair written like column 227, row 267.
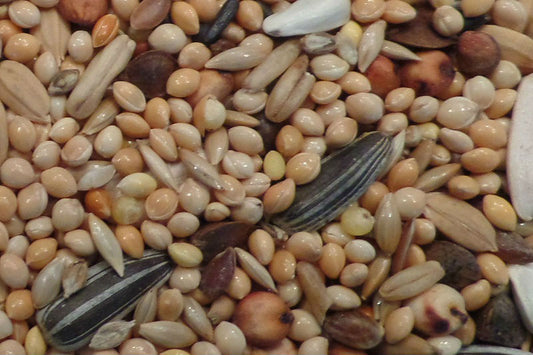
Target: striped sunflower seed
column 461, row 222
column 344, row 177
column 111, row 335
column 22, row 92
column 69, row 323
column 411, row 281
column 102, row 69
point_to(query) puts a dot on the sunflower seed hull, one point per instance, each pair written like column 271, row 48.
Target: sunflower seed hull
column 69, row 324
column 344, row 177
column 111, row 335
column 74, row 278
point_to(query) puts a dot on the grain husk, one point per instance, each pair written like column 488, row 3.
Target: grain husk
column 460, row 222
column 290, row 91
column 411, row 281
column 201, row 169
column 107, row 244
column 100, row 72
column 371, row 43
column 273, row 65
column 54, row 33
column 515, row 47
column 22, row 92
column 195, row 317
column 314, row 289
column 47, row 284
column 168, row 334
column 388, row 225
column 254, row 269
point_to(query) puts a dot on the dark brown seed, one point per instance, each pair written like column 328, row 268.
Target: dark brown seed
column 477, row 53
column 459, row 263
column 264, row 318
column 214, row 238
column 354, row 329
column 431, row 75
column 513, row 249
column 499, row 323
column 150, row 71
column 419, row 32
column 217, row 274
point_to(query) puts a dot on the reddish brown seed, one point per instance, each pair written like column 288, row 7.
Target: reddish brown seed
column 264, row 318
column 82, row 12
column 382, row 76
column 477, row 53
column 429, row 76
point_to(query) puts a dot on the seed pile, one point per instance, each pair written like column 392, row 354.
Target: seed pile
column 265, row 177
